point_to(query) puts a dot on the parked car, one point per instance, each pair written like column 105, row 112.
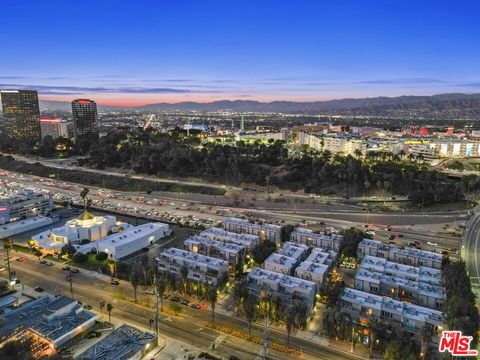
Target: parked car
column 88, row 307
column 2, row 268
column 75, row 271
column 66, row 267
column 175, row 298
column 115, row 282
column 150, row 292
column 184, row 302
column 49, row 263
column 195, row 306
column 38, row 289
column 93, row 334
column 21, row 259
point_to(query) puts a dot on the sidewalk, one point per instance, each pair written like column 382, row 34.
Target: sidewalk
column 309, row 336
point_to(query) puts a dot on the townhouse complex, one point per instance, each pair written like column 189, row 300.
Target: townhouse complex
column 419, row 285
column 201, row 268
column 284, row 287
column 316, row 239
column 407, row 256
column 268, row 232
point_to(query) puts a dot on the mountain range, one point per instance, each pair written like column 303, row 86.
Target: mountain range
column 442, row 104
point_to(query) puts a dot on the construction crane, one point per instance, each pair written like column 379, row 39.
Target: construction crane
column 149, row 121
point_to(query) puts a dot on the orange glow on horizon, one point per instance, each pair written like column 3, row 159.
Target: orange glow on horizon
column 127, row 100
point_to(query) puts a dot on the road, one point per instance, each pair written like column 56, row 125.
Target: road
column 91, row 289
column 470, row 252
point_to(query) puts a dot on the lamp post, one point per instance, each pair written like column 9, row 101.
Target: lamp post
column 265, row 296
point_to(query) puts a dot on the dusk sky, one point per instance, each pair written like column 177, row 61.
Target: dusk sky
column 137, row 52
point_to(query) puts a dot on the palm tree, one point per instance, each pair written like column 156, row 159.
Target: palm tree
column 290, row 321
column 184, row 275
column 161, row 285
column 212, row 297
column 425, row 337
column 251, row 309
column 109, row 310
column 135, row 278
column 373, row 327
column 239, row 293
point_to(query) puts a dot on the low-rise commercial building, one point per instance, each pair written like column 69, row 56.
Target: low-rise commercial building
column 362, row 306
column 47, row 321
column 316, row 266
column 128, row 241
column 420, row 285
column 316, row 239
column 201, row 268
column 16, row 205
column 218, row 234
column 284, row 286
column 406, row 256
column 125, row 343
column 21, row 226
column 268, row 232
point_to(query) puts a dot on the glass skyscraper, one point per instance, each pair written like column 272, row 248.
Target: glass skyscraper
column 21, row 114
column 85, row 120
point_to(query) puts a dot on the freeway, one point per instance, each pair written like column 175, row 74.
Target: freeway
column 189, row 328
column 335, row 214
column 470, row 251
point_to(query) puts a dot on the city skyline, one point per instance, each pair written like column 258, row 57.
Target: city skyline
column 214, row 51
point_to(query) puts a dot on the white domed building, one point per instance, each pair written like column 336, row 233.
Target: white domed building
column 85, row 228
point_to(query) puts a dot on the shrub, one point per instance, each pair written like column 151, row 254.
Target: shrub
column 80, row 257
column 101, row 256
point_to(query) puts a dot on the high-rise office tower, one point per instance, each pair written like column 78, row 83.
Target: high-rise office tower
column 85, row 120
column 21, row 114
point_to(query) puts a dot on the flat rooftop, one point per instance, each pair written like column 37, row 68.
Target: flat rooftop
column 132, row 233
column 248, row 223
column 285, row 280
column 292, row 250
column 219, row 245
column 32, row 316
column 424, row 281
column 406, row 251
column 281, row 260
column 17, row 225
column 122, row 344
column 228, row 236
column 407, row 311
column 183, row 255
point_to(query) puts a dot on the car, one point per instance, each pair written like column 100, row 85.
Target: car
column 66, row 267
column 87, row 306
column 2, row 268
column 115, row 282
column 38, row 289
column 196, row 306
column 150, row 292
column 185, row 302
column 49, row 263
column 21, row 259
column 43, row 262
column 75, row 271
column 15, row 281
column 175, row 298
